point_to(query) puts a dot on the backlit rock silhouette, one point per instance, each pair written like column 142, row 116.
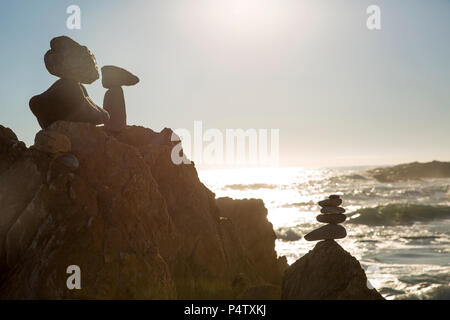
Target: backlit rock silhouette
column 327, row 272
column 332, row 215
column 67, row 99
column 67, row 59
column 113, row 78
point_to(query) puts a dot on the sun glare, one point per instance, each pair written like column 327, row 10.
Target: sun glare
column 248, row 17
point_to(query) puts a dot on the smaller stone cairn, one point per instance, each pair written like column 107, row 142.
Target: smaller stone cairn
column 331, row 214
column 113, row 78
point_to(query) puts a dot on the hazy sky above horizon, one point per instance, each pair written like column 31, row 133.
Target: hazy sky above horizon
column 339, row 93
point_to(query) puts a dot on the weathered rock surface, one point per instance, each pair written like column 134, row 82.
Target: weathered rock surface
column 62, row 165
column 114, row 103
column 257, row 236
column 327, row 272
column 412, row 171
column 52, row 142
column 327, row 232
column 113, row 76
column 66, row 100
column 138, row 226
column 67, row 59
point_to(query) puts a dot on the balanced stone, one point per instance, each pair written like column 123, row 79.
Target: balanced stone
column 62, row 165
column 52, row 142
column 331, row 218
column 334, row 196
column 114, row 103
column 327, row 232
column 113, row 76
column 67, row 59
column 66, row 100
column 333, row 202
column 331, row 210
column 69, row 161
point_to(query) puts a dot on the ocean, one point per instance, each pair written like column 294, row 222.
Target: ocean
column 400, row 232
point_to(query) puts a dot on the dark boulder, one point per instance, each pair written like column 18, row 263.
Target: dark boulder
column 328, row 272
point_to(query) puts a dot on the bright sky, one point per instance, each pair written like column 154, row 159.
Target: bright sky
column 339, row 93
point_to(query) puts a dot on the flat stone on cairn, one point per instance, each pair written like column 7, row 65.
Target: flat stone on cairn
column 332, row 210
column 331, row 218
column 113, row 78
column 327, row 232
column 332, row 215
column 330, row 202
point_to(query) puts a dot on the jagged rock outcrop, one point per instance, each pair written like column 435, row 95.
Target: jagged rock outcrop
column 137, row 225
column 327, row 272
column 412, row 171
column 257, row 236
column 10, row 148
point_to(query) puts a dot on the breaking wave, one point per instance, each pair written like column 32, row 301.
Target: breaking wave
column 441, row 292
column 398, row 214
column 254, row 186
column 287, row 234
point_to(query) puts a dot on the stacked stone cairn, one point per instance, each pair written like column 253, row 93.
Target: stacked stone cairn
column 67, row 99
column 331, row 214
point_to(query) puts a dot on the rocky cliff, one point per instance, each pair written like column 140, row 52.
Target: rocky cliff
column 137, row 225
column 327, row 272
column 412, row 171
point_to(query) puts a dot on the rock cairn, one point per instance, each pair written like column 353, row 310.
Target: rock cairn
column 67, row 99
column 113, row 78
column 331, row 214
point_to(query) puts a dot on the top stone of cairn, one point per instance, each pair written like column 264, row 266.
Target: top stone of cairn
column 332, row 201
column 113, row 76
column 68, row 59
